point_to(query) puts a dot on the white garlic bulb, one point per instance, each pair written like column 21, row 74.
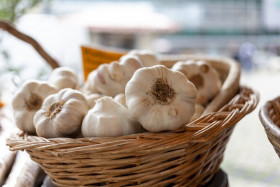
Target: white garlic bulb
column 146, row 57
column 160, row 99
column 64, row 77
column 27, row 101
column 120, row 98
column 61, row 114
column 203, row 76
column 110, row 79
column 108, row 118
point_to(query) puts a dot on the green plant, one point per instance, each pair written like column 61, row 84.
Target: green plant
column 11, row 10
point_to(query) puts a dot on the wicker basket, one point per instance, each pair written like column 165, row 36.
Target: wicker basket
column 188, row 157
column 269, row 115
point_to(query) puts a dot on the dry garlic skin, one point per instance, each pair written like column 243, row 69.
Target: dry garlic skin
column 110, row 79
column 203, row 76
column 27, row 101
column 64, row 77
column 108, row 118
column 160, row 99
column 61, row 114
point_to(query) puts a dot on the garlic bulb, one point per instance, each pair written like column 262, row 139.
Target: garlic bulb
column 160, row 99
column 64, row 77
column 108, row 118
column 120, row 98
column 146, row 57
column 199, row 109
column 110, row 79
column 92, row 98
column 61, row 114
column 27, row 101
column 203, row 76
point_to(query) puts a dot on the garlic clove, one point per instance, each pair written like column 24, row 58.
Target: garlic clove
column 147, row 57
column 61, row 113
column 132, row 62
column 159, row 98
column 64, row 77
column 108, row 118
column 105, row 85
column 110, row 79
column 24, row 122
column 91, row 98
column 203, row 76
column 120, row 98
column 102, row 73
column 116, row 71
column 90, row 86
column 27, row 100
column 46, row 127
column 204, row 68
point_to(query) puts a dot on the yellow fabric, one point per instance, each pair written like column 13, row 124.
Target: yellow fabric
column 93, row 57
column 1, row 104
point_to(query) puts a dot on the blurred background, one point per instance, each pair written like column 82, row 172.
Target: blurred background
column 246, row 30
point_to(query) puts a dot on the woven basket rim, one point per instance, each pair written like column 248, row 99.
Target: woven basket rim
column 215, row 123
column 266, row 121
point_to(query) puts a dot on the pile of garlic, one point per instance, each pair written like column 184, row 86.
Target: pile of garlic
column 132, row 95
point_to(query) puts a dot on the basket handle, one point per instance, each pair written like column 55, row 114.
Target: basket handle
column 6, row 26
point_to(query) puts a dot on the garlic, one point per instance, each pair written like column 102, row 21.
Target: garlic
column 110, row 79
column 108, row 118
column 203, row 76
column 92, row 98
column 160, row 99
column 64, row 77
column 27, row 101
column 146, row 57
column 120, row 98
column 199, row 109
column 61, row 114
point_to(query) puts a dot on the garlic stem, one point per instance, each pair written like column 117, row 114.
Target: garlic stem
column 34, row 102
column 162, row 92
column 55, row 109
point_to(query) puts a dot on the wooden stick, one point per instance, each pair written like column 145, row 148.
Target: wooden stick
column 6, row 26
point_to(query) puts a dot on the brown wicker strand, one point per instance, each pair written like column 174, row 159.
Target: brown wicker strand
column 6, row 26
column 276, row 108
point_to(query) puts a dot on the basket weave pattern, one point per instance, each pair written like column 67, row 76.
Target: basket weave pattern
column 188, row 157
column 270, row 117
